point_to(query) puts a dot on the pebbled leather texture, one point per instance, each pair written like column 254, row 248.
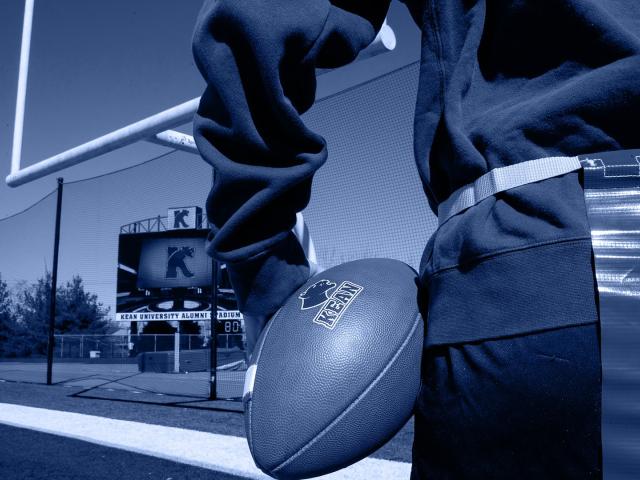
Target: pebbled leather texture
column 324, row 398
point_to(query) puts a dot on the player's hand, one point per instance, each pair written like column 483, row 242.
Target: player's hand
column 254, row 324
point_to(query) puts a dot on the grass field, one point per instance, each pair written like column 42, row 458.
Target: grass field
column 105, row 419
column 69, row 437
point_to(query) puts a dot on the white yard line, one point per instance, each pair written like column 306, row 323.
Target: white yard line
column 223, row 453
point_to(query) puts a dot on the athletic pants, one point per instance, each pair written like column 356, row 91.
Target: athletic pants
column 522, row 407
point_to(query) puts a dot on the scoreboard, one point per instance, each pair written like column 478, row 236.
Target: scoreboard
column 229, row 321
column 228, row 326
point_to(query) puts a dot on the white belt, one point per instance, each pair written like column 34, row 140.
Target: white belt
column 512, row 176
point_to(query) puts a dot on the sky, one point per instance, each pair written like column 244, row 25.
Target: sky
column 97, row 66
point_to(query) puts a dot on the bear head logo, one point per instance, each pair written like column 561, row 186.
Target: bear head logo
column 316, row 294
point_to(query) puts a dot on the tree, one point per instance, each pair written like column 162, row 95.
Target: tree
column 6, row 317
column 77, row 311
column 32, row 313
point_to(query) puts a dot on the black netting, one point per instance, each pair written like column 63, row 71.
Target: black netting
column 26, row 259
column 367, row 201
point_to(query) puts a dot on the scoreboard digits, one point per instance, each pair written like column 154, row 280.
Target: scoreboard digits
column 229, row 321
column 229, row 326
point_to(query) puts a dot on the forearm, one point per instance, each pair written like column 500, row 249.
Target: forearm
column 258, row 58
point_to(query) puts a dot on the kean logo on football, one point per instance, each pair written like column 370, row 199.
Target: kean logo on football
column 334, row 306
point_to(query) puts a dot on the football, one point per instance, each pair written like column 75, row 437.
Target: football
column 336, row 371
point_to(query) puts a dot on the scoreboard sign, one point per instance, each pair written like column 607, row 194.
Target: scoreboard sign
column 228, row 320
column 172, row 262
column 167, row 276
column 184, row 218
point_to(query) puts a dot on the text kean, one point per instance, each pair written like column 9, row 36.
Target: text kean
column 336, row 305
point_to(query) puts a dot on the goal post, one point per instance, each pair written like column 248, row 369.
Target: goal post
column 155, row 128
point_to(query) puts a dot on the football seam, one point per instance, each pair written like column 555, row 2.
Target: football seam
column 266, row 333
column 353, row 404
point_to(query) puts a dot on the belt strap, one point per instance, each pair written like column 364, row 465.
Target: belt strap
column 512, row 176
column 504, row 178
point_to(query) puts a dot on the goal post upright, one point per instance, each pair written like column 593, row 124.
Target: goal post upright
column 23, row 74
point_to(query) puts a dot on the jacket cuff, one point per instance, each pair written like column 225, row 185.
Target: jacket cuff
column 264, row 282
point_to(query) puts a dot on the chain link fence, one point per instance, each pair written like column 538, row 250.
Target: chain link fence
column 166, row 364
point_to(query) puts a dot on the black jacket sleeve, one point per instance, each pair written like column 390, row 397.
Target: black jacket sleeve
column 258, row 58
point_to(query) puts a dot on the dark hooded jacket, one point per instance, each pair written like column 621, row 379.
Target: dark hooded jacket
column 501, row 82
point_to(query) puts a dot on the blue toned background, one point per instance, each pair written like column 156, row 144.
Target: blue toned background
column 98, row 66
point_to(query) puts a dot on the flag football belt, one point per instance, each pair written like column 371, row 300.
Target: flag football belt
column 612, row 198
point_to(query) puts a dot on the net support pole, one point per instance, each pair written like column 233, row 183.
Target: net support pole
column 213, row 344
column 54, row 285
column 176, row 349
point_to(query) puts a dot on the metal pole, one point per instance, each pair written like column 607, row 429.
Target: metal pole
column 54, row 285
column 21, row 96
column 122, row 137
column 213, row 344
column 172, row 139
column 176, row 349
